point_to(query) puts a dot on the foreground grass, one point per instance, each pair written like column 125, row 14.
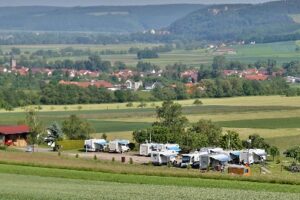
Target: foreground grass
column 34, row 187
column 51, row 160
column 147, row 180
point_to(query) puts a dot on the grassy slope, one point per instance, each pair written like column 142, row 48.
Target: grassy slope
column 33, row 187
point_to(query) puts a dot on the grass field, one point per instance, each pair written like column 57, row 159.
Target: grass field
column 273, row 117
column 282, row 52
column 38, row 187
column 48, row 176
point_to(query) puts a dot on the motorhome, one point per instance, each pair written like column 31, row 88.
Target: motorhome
column 191, row 159
column 95, row 145
column 252, row 156
column 147, row 148
column 163, row 157
column 118, row 146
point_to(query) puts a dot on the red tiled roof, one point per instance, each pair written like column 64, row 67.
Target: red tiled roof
column 259, row 77
column 14, row 129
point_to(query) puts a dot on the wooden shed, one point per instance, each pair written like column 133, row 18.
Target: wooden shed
column 14, row 135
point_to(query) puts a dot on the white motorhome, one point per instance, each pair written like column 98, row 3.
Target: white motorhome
column 94, row 145
column 213, row 160
column 253, row 156
column 147, row 148
column 191, row 159
column 118, row 146
column 163, row 157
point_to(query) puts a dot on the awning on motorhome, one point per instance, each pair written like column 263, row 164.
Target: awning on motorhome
column 221, row 157
column 174, row 148
column 101, row 142
column 260, row 153
column 124, row 142
column 235, row 153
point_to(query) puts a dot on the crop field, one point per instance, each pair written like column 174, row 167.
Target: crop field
column 282, row 52
column 270, row 116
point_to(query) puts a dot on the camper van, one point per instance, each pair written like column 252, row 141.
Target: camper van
column 191, row 159
column 146, row 149
column 163, row 157
column 118, row 146
column 253, row 156
column 95, row 145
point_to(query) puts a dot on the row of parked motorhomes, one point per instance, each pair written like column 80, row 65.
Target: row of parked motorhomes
column 97, row 145
column 204, row 158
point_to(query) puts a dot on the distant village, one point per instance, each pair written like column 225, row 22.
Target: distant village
column 125, row 76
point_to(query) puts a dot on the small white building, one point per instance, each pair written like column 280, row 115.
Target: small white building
column 132, row 85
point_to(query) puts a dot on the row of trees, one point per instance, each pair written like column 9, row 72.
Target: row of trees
column 173, row 127
column 73, row 128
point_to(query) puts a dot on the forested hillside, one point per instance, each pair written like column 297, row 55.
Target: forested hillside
column 261, row 22
column 107, row 19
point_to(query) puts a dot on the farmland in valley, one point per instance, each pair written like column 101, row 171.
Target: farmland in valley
column 270, row 116
column 282, row 52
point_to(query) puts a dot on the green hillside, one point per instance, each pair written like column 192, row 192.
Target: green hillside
column 108, row 19
column 260, row 22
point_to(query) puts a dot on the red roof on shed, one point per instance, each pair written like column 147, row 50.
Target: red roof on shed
column 15, row 129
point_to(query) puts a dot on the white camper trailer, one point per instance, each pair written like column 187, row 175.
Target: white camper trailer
column 191, row 159
column 253, row 156
column 163, row 157
column 213, row 160
column 146, row 149
column 118, row 146
column 95, row 145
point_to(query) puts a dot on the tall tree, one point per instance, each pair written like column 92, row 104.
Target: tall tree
column 231, row 140
column 274, row 151
column 35, row 125
column 76, row 129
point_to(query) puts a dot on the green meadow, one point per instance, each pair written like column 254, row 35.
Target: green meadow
column 274, row 117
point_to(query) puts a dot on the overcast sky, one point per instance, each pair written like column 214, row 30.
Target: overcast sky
column 114, row 2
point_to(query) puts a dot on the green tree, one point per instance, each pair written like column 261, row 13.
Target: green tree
column 256, row 142
column 36, row 127
column 54, row 134
column 76, row 129
column 209, row 130
column 231, row 140
column 293, row 152
column 274, row 151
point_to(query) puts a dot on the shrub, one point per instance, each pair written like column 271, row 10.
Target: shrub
column 95, row 157
column 59, row 154
column 169, row 164
column 142, row 105
column 71, row 144
column 130, row 161
column 198, row 102
column 76, row 156
column 188, row 167
column 113, row 159
column 130, row 104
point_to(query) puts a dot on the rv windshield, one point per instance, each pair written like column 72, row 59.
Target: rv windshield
column 186, row 159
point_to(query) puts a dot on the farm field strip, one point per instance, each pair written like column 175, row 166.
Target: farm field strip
column 147, row 180
column 33, row 187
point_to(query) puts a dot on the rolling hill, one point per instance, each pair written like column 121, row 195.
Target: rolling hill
column 241, row 22
column 105, row 19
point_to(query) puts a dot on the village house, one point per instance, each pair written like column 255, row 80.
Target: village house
column 123, row 74
column 14, row 135
column 132, row 85
column 191, row 75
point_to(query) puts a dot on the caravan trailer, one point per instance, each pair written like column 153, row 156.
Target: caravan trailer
column 95, row 145
column 163, row 157
column 118, row 146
